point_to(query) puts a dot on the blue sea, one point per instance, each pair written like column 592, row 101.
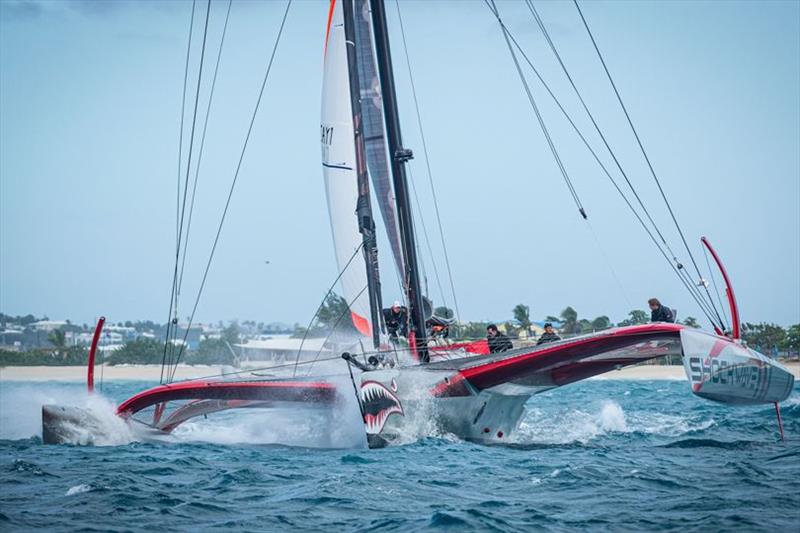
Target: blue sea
column 597, row 455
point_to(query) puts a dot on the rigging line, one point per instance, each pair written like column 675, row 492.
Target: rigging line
column 610, row 265
column 178, row 196
column 253, row 370
column 203, row 143
column 191, row 143
column 535, row 107
column 594, row 122
column 679, row 271
column 427, row 241
column 716, row 288
column 641, row 146
column 546, row 34
column 233, row 183
column 189, row 160
column 336, row 325
column 322, row 304
column 428, row 163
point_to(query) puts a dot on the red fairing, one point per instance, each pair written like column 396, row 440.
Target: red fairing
column 275, row 391
column 479, row 347
column 736, row 333
column 92, row 352
column 566, row 362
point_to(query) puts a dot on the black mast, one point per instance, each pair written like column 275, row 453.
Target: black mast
column 398, row 156
column 366, row 224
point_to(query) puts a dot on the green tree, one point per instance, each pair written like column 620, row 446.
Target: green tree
column 299, row 331
column 763, row 336
column 57, row 338
column 522, row 314
column 335, row 314
column 231, row 333
column 212, row 352
column 473, row 330
column 444, row 312
column 637, row 316
column 691, row 322
column 569, row 321
column 792, row 340
column 73, row 356
column 138, row 351
column 601, row 323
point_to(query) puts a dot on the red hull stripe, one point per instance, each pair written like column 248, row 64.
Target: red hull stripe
column 286, row 391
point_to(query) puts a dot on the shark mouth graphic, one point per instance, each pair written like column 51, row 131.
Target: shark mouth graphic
column 379, row 403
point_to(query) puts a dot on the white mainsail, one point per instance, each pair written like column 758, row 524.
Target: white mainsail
column 339, row 170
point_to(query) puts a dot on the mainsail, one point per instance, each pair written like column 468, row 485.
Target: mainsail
column 340, row 173
column 374, row 133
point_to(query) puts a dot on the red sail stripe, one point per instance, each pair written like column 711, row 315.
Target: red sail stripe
column 361, row 324
column 328, row 27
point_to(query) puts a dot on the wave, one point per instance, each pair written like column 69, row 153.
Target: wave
column 713, row 443
column 21, row 414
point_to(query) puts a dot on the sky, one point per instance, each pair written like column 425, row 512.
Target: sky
column 90, row 106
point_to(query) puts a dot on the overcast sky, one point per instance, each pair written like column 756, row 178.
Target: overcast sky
column 90, row 100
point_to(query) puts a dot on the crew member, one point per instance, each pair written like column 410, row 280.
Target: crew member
column 396, row 319
column 498, row 342
column 549, row 335
column 659, row 312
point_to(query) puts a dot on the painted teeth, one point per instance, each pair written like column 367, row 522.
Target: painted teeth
column 374, row 391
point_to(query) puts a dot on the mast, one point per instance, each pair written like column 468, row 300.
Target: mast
column 398, row 157
column 366, row 224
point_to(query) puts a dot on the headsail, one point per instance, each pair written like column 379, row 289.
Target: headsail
column 374, row 132
column 339, row 170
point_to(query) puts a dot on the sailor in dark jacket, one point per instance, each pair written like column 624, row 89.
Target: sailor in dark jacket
column 659, row 312
column 497, row 341
column 396, row 319
column 549, row 335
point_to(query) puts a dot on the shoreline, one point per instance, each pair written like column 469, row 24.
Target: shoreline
column 153, row 372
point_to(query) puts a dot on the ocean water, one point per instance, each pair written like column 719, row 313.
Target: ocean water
column 597, row 455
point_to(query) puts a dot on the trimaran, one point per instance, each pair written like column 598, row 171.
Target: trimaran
column 461, row 388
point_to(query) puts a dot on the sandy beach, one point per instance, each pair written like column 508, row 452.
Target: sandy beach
column 153, row 372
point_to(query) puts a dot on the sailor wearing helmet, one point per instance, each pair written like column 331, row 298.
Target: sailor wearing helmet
column 396, row 319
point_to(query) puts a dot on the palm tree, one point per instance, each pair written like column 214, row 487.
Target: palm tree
column 601, row 323
column 569, row 319
column 522, row 314
column 58, row 339
column 637, row 316
column 691, row 322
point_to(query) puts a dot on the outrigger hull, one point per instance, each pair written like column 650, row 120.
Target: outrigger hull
column 479, row 398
